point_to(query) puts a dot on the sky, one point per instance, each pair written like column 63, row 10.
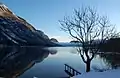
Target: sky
column 44, row 14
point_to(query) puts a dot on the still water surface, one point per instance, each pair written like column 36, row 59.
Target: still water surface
column 31, row 62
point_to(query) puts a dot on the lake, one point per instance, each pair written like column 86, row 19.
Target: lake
column 39, row 62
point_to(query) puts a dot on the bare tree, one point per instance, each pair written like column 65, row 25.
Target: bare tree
column 90, row 30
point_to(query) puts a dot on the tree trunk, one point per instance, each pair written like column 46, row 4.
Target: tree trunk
column 88, row 66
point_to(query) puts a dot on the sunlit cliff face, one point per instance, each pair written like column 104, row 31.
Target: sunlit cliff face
column 6, row 12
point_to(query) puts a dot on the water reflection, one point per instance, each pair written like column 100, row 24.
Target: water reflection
column 16, row 60
column 111, row 59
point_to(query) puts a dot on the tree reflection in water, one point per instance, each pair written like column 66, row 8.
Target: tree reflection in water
column 111, row 59
column 16, row 60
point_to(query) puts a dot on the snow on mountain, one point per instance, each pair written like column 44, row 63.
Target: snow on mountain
column 65, row 44
column 15, row 29
column 2, row 5
column 4, row 9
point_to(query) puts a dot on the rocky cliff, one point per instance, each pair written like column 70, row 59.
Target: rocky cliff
column 16, row 30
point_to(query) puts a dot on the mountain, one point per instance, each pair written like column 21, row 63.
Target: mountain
column 54, row 40
column 73, row 41
column 68, row 44
column 16, row 30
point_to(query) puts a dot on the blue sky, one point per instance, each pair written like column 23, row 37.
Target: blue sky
column 44, row 14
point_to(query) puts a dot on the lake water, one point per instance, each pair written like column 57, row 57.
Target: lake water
column 37, row 62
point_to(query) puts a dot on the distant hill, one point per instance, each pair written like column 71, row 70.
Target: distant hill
column 67, row 44
column 53, row 40
column 74, row 41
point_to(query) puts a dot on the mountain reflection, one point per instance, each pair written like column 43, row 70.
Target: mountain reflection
column 16, row 60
